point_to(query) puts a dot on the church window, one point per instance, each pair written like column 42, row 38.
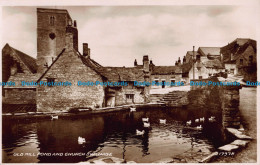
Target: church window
column 52, row 19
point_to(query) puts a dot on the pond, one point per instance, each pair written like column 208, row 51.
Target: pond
column 113, row 134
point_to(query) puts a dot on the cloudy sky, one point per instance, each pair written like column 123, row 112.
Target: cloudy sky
column 119, row 34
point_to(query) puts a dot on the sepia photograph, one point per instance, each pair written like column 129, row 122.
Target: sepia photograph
column 139, row 83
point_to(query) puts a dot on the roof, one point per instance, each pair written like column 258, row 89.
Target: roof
column 86, row 61
column 186, row 67
column 216, row 64
column 165, row 70
column 236, row 48
column 27, row 60
column 209, row 50
column 115, row 74
column 191, row 53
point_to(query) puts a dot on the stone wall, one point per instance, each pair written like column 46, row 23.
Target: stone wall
column 19, row 96
column 69, row 67
column 120, row 95
column 217, row 98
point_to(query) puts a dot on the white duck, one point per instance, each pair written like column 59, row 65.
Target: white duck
column 81, row 140
column 212, row 119
column 162, row 121
column 146, row 125
column 54, row 117
column 132, row 109
column 139, row 132
column 199, row 127
column 188, row 122
column 202, row 119
column 145, row 119
column 197, row 120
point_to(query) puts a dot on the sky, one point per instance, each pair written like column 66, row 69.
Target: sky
column 117, row 35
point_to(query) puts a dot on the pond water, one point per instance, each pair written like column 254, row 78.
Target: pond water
column 29, row 141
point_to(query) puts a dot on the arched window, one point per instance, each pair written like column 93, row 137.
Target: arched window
column 52, row 19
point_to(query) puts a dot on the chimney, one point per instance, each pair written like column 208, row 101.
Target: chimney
column 85, row 50
column 184, row 60
column 176, row 63
column 75, row 23
column 151, row 62
column 146, row 63
column 135, row 63
column 69, row 41
column 89, row 52
column 179, row 61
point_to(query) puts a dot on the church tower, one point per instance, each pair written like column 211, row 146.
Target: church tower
column 52, row 26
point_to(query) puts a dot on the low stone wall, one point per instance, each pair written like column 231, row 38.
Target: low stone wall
column 217, row 98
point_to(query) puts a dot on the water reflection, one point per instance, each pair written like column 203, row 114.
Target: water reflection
column 109, row 133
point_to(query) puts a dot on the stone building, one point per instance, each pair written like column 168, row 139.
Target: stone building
column 240, row 58
column 16, row 67
column 59, row 60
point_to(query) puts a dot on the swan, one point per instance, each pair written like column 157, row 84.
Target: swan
column 199, row 127
column 162, row 121
column 202, row 119
column 145, row 119
column 81, row 140
column 139, row 132
column 188, row 122
column 54, row 117
column 197, row 120
column 146, row 124
column 132, row 109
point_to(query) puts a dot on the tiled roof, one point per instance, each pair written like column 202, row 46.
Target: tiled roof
column 213, row 64
column 236, row 48
column 186, row 67
column 165, row 70
column 115, row 74
column 29, row 61
column 209, row 50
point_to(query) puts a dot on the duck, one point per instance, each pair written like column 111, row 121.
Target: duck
column 199, row 127
column 139, row 132
column 188, row 122
column 145, row 119
column 162, row 121
column 197, row 120
column 81, row 140
column 146, row 124
column 54, row 117
column 132, row 109
column 212, row 119
column 202, row 119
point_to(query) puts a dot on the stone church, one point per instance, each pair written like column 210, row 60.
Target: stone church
column 59, row 60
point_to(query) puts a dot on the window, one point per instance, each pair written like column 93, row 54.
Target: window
column 200, row 77
column 52, row 19
column 210, row 74
column 172, row 82
column 232, row 71
column 50, row 81
column 241, row 61
column 129, row 98
column 198, row 57
column 250, row 60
